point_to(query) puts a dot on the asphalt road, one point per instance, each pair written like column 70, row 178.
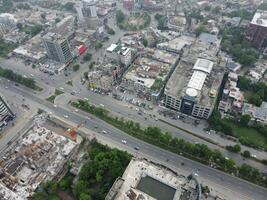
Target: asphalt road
column 240, row 189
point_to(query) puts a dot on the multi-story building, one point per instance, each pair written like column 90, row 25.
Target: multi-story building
column 5, row 113
column 257, row 30
column 193, row 86
column 86, row 9
column 57, row 47
column 232, row 98
column 7, row 23
column 121, row 54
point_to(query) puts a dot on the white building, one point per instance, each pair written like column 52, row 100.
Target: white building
column 7, row 23
column 121, row 54
column 86, row 9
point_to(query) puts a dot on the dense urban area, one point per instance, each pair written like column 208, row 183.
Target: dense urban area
column 133, row 99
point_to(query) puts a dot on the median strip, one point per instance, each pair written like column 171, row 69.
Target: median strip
column 197, row 152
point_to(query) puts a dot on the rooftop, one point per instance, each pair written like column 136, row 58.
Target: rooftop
column 35, row 157
column 140, row 169
column 260, row 18
column 195, row 80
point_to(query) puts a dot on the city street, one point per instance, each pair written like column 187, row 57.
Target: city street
column 228, row 184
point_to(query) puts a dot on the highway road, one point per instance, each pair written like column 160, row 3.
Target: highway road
column 118, row 109
column 238, row 188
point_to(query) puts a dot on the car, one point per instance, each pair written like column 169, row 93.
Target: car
column 66, row 116
column 86, row 99
column 102, row 105
column 55, row 105
column 96, row 126
column 76, row 110
column 124, row 141
column 105, row 132
column 136, row 148
column 253, row 156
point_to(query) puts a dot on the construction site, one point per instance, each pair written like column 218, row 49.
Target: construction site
column 41, row 154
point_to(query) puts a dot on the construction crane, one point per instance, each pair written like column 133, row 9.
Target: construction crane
column 72, row 132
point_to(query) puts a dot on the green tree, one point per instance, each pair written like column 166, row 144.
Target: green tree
column 120, row 17
column 85, row 196
column 246, row 154
column 245, row 119
column 201, row 29
column 256, row 100
column 87, row 57
column 76, row 67
column 145, row 42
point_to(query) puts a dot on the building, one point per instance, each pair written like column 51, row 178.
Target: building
column 121, row 54
column 128, row 4
column 258, row 114
column 193, row 90
column 7, row 23
column 142, row 176
column 6, row 113
column 57, row 47
column 232, row 98
column 257, row 30
column 39, row 156
column 86, row 9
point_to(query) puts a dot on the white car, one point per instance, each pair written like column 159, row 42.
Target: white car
column 76, row 110
column 55, row 105
column 105, row 132
column 124, row 141
column 253, row 156
column 66, row 116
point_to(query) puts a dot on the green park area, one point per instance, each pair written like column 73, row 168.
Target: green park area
column 248, row 135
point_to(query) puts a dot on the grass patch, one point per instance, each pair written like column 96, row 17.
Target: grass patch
column 53, row 97
column 248, row 134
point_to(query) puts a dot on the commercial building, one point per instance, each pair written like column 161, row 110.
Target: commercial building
column 6, row 113
column 57, row 47
column 7, row 23
column 56, row 41
column 193, row 86
column 120, row 53
column 193, row 90
column 257, row 30
column 86, row 9
column 147, row 180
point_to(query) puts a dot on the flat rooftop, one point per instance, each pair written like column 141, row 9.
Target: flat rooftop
column 260, row 18
column 193, row 80
column 146, row 70
column 143, row 176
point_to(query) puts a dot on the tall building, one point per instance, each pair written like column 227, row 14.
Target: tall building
column 257, row 30
column 86, row 9
column 7, row 23
column 57, row 47
column 5, row 113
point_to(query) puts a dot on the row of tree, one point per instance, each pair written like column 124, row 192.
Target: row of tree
column 10, row 75
column 155, row 136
